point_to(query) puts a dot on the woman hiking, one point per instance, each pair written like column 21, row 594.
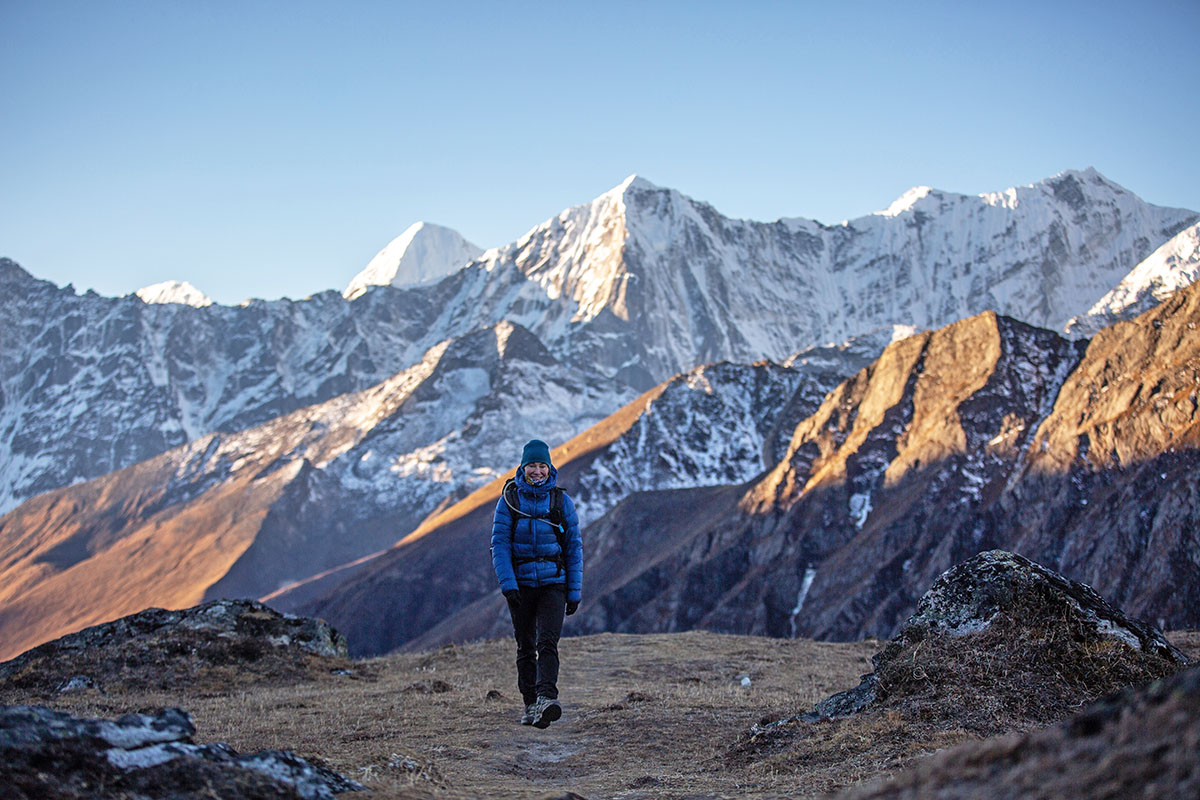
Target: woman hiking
column 538, row 557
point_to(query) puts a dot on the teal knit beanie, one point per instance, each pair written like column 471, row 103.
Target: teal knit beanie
column 536, row 450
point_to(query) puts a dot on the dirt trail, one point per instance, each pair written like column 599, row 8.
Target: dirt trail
column 644, row 716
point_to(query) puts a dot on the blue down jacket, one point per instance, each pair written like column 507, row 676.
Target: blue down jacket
column 534, row 538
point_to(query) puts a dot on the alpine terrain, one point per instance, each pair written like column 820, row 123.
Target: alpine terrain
column 636, row 286
column 785, row 428
column 986, row 433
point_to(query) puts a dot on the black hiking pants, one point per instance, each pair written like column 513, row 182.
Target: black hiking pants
column 537, row 623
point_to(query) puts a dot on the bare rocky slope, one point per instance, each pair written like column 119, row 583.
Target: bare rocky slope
column 1141, row 743
column 985, row 434
column 241, row 514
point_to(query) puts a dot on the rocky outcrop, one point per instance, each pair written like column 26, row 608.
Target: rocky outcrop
column 224, row 641
column 971, row 596
column 998, row 645
column 1142, row 742
column 51, row 755
column 1002, row 633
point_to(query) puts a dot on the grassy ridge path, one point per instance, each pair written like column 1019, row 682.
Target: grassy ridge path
column 645, row 716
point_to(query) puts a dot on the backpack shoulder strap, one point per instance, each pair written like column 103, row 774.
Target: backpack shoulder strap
column 558, row 520
column 510, row 498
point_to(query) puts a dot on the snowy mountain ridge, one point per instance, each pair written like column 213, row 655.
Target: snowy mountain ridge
column 1169, row 268
column 640, row 284
column 742, row 290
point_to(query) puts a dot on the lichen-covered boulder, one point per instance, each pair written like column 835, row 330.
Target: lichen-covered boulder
column 223, row 641
column 969, row 596
column 52, row 755
column 999, row 642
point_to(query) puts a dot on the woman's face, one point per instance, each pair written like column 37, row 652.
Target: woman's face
column 536, row 472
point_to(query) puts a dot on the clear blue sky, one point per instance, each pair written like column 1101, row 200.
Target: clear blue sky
column 271, row 149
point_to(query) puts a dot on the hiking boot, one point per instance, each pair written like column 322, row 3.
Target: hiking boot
column 530, row 714
column 545, row 711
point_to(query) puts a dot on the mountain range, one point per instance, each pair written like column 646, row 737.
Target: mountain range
column 281, row 447
column 986, row 433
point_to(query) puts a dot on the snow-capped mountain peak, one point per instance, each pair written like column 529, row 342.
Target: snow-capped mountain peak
column 1076, row 187
column 180, row 292
column 691, row 285
column 906, row 201
column 424, row 252
column 635, row 181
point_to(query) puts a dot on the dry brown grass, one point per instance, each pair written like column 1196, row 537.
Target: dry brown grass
column 646, row 716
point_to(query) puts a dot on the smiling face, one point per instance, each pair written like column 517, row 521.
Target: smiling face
column 536, row 472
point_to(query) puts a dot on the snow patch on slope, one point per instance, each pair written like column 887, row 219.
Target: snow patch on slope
column 707, row 428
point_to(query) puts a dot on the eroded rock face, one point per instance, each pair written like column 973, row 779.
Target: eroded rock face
column 987, row 434
column 1001, row 633
column 243, row 638
column 50, row 754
